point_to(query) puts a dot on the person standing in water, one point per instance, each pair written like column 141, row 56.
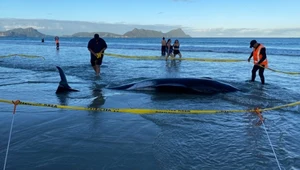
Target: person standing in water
column 97, row 46
column 259, row 59
column 163, row 47
column 169, row 49
column 57, row 42
column 176, row 49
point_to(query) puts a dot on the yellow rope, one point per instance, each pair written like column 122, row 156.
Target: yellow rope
column 146, row 111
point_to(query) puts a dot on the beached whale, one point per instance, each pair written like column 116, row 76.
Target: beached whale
column 180, row 85
column 172, row 85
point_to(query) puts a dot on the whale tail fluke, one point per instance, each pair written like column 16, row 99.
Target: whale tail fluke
column 63, row 84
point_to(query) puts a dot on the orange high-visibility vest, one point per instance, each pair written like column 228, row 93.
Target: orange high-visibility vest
column 257, row 56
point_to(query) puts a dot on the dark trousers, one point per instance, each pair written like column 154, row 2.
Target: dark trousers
column 261, row 73
column 163, row 50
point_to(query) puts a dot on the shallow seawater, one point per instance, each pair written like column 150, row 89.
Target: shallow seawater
column 54, row 138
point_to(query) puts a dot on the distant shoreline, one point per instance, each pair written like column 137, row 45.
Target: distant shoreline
column 156, row 37
column 135, row 33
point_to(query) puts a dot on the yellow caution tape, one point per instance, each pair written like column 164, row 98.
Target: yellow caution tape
column 284, row 72
column 163, row 58
column 134, row 57
column 210, row 60
column 191, row 59
column 146, row 111
column 22, row 55
column 280, row 107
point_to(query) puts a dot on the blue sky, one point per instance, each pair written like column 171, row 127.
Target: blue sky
column 193, row 15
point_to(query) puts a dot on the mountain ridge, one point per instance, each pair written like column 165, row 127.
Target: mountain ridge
column 135, row 33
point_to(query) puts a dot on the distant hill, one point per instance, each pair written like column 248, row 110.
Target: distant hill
column 143, row 33
column 22, row 32
column 135, row 33
column 139, row 33
column 101, row 34
column 177, row 33
column 67, row 27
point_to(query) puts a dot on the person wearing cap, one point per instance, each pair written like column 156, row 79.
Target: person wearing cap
column 260, row 60
column 97, row 46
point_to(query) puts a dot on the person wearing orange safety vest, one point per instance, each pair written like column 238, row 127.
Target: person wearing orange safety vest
column 259, row 59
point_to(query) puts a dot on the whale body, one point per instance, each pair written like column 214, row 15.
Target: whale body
column 203, row 85
column 180, row 85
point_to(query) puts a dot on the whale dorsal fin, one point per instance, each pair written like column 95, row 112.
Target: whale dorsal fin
column 63, row 84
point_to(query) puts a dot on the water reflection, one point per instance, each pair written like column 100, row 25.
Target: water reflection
column 99, row 99
column 63, row 98
column 173, row 66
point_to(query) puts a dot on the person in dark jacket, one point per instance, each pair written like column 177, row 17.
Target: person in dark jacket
column 97, row 46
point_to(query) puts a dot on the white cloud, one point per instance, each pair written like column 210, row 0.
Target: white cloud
column 244, row 32
column 9, row 27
